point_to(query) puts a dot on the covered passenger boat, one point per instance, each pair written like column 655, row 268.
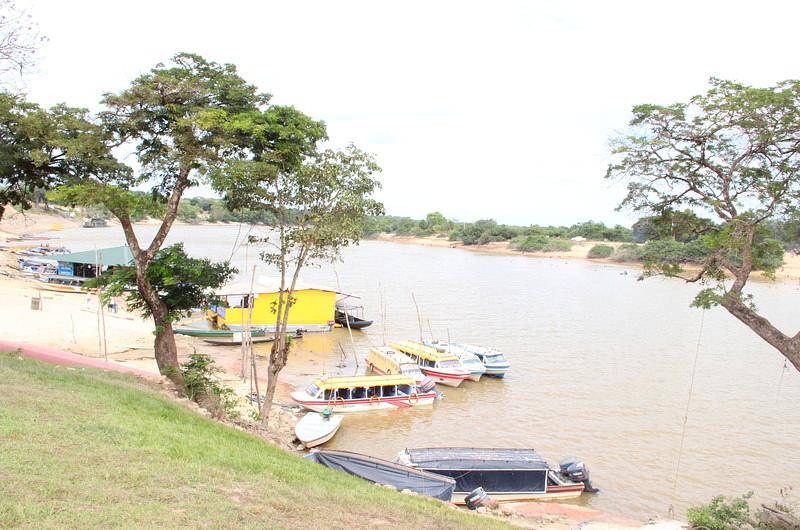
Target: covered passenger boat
column 444, row 368
column 494, row 360
column 505, row 474
column 384, row 472
column 469, row 360
column 386, row 361
column 363, row 392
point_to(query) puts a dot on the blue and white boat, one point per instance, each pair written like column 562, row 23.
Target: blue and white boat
column 494, row 360
column 469, row 360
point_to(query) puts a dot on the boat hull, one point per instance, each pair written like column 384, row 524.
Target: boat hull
column 360, row 405
column 214, row 333
column 475, row 376
column 497, row 371
column 552, row 493
column 44, row 286
column 445, row 378
column 312, row 430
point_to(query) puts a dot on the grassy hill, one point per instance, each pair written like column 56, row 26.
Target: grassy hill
column 83, row 448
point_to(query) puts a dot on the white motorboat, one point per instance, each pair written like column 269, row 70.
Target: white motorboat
column 316, row 428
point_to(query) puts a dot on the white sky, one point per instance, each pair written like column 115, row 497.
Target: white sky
column 492, row 109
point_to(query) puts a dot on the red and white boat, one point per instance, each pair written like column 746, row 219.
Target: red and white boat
column 442, row 367
column 363, row 392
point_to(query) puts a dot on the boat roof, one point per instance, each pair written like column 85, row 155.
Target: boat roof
column 395, row 355
column 408, row 346
column 267, row 284
column 475, row 458
column 363, row 380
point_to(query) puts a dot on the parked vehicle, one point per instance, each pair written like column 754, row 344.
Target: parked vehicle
column 469, row 360
column 494, row 360
column 443, row 368
column 386, row 361
column 384, row 472
column 363, row 392
column 316, row 428
column 505, row 474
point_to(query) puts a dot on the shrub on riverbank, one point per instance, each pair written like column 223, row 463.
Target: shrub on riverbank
column 734, row 514
column 99, row 450
column 600, row 251
column 539, row 243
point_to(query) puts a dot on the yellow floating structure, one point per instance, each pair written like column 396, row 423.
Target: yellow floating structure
column 312, row 308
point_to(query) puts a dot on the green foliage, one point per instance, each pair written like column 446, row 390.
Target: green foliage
column 539, row 243
column 668, row 224
column 181, row 117
column 730, row 153
column 203, row 386
column 720, row 513
column 489, row 231
column 182, row 283
column 42, row 148
column 601, row 251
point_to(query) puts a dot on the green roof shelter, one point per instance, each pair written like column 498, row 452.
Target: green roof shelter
column 84, row 264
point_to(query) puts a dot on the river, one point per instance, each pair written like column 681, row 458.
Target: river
column 602, row 366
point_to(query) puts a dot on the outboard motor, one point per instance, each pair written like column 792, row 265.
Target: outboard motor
column 576, row 470
column 476, row 498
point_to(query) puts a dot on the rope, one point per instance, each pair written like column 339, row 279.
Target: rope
column 780, row 381
column 688, row 401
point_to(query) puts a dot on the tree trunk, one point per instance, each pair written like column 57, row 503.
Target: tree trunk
column 272, row 384
column 165, row 349
column 788, row 346
column 166, row 353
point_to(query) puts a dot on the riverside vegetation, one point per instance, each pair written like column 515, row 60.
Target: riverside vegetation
column 128, row 455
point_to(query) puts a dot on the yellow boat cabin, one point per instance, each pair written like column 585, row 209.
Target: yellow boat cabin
column 420, row 351
column 365, row 392
column 312, row 308
column 442, row 367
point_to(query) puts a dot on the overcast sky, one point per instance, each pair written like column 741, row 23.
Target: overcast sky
column 479, row 110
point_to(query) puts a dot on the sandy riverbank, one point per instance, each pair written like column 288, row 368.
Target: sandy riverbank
column 789, row 272
column 71, row 322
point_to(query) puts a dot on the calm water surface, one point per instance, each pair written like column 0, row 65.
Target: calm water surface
column 601, row 367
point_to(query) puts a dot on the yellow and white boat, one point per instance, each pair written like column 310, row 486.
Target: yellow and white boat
column 363, row 392
column 442, row 367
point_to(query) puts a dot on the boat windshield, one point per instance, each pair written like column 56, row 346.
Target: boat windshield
column 495, row 358
column 450, row 363
column 411, row 370
column 312, row 390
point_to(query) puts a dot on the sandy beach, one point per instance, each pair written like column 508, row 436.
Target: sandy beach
column 789, row 272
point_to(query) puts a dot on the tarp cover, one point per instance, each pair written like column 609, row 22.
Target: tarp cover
column 473, row 458
column 385, row 472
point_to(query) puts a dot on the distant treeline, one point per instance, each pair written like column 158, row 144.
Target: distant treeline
column 199, row 209
column 676, row 235
column 488, row 230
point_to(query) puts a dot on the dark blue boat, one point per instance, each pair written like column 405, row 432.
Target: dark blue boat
column 385, row 472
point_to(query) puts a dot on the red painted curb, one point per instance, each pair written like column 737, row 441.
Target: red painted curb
column 64, row 358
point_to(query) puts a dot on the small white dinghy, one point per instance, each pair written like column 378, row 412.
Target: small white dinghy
column 316, row 428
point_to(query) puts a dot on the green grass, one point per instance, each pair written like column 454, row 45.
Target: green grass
column 82, row 448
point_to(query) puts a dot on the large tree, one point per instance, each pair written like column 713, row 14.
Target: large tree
column 321, row 207
column 179, row 119
column 733, row 153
